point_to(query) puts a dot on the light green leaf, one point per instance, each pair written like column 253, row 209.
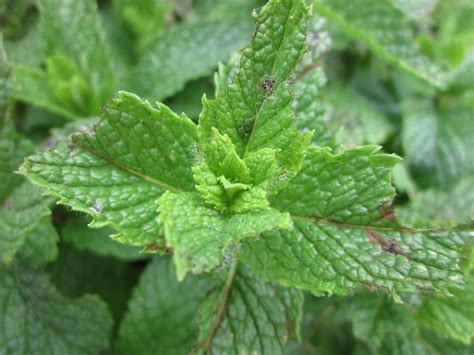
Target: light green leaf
column 116, row 171
column 74, row 29
column 37, row 319
column 382, row 27
column 98, row 241
column 144, row 19
column 255, row 109
column 147, row 326
column 345, row 232
column 199, row 234
column 185, row 53
column 437, row 144
column 246, row 315
column 31, row 86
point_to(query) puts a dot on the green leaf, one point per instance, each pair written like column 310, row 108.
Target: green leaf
column 74, row 29
column 185, row 53
column 382, row 27
column 231, row 184
column 436, row 143
column 77, row 273
column 309, row 82
column 199, row 235
column 41, row 245
column 161, row 313
column 30, row 86
column 144, row 19
column 244, row 314
column 22, row 206
column 19, row 216
column 98, row 241
column 441, row 208
column 345, row 232
column 37, row 319
column 452, row 317
column 355, row 119
column 5, row 86
column 116, row 171
column 255, row 109
column 387, row 328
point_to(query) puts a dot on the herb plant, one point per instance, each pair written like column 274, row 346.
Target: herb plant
column 258, row 203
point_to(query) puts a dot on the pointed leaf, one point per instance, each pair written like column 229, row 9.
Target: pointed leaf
column 382, row 27
column 199, row 234
column 116, row 171
column 346, row 234
column 255, row 110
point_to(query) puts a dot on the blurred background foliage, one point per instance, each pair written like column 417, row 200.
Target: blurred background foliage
column 396, row 73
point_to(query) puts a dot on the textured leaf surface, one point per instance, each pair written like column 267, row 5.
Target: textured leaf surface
column 37, row 319
column 116, row 171
column 19, row 216
column 381, row 26
column 437, row 145
column 249, row 316
column 345, row 233
column 255, row 109
column 199, row 234
column 74, row 29
column 184, row 53
column 161, row 313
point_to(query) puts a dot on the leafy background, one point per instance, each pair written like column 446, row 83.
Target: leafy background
column 396, row 73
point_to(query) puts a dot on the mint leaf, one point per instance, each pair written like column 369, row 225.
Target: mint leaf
column 199, row 234
column 77, row 273
column 245, row 314
column 255, row 109
column 41, row 244
column 147, row 326
column 184, row 53
column 382, row 27
column 136, row 150
column 19, row 216
column 386, row 327
column 441, row 208
column 36, row 318
column 29, row 86
column 436, row 142
column 61, row 22
column 346, row 234
column 452, row 317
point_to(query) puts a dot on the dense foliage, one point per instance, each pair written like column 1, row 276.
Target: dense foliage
column 314, row 197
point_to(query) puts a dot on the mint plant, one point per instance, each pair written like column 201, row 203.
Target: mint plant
column 258, row 231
